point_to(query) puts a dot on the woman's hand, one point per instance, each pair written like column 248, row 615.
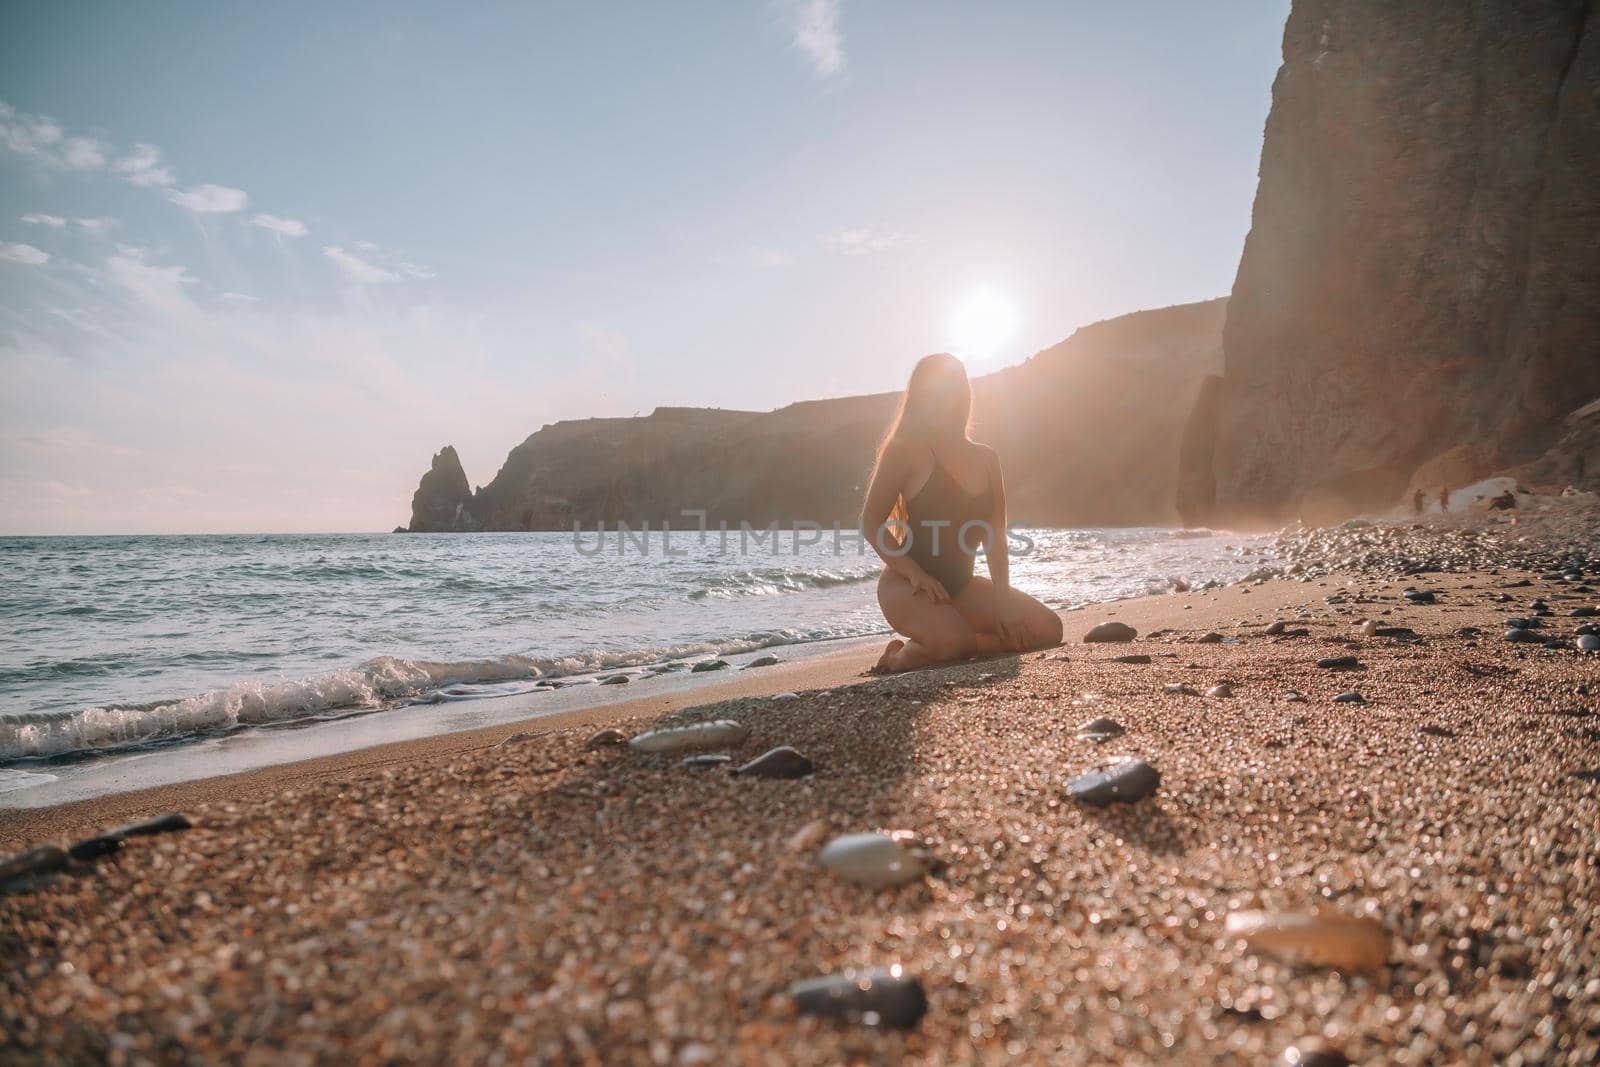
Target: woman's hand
column 925, row 584
column 1013, row 622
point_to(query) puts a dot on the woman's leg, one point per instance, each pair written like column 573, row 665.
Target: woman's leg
column 976, row 605
column 935, row 633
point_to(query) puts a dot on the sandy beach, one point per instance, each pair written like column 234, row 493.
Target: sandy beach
column 494, row 897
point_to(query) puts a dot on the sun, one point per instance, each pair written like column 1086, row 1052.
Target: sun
column 983, row 324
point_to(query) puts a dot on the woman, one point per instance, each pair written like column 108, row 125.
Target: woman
column 936, row 497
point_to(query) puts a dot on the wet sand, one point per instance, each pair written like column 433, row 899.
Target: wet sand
column 460, row 900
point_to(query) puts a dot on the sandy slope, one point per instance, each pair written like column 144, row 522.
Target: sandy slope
column 454, row 901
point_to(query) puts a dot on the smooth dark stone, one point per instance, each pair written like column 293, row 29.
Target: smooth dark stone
column 781, row 762
column 879, row 997
column 1351, row 697
column 1338, row 662
column 1435, row 731
column 95, row 847
column 33, row 862
column 1127, row 781
column 1525, row 624
column 1517, row 635
column 1421, row 597
column 1468, row 631
column 1394, row 631
column 1100, row 729
column 709, row 665
column 1558, row 643
column 1275, row 628
column 1212, row 638
column 615, row 679
column 171, row 822
column 1110, row 632
column 1313, row 1053
column 1138, row 658
column 761, row 661
column 705, row 759
column 1296, row 631
column 606, row 739
column 1583, row 613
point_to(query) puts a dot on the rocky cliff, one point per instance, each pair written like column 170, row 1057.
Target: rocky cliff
column 1421, row 282
column 1089, row 431
column 443, row 499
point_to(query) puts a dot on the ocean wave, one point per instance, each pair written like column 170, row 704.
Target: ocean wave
column 381, row 683
column 770, row 581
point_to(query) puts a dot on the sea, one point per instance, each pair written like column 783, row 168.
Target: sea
column 115, row 649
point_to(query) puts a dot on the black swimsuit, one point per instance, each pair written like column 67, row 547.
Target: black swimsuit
column 937, row 514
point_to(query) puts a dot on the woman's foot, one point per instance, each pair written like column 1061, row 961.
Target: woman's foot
column 885, row 661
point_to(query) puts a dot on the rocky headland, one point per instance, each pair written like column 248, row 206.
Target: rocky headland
column 1085, row 438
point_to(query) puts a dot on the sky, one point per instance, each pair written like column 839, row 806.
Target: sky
column 259, row 262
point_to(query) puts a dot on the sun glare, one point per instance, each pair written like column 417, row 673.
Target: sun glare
column 983, row 324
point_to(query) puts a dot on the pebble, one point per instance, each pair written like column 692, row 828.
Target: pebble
column 1583, row 613
column 1275, row 628
column 1589, row 643
column 705, row 759
column 94, row 847
column 1351, row 697
column 1294, row 696
column 33, row 862
column 762, row 661
column 1370, row 628
column 1338, row 662
column 615, row 679
column 1517, row 635
column 606, row 738
column 1126, row 780
column 171, row 822
column 1344, row 942
column 700, row 735
column 877, row 860
column 1112, row 632
column 878, row 997
column 1435, row 731
column 1222, row 689
column 708, row 665
column 781, row 762
column 1138, row 657
column 1100, row 729
column 1311, row 1052
column 781, row 697
column 1180, row 689
column 1420, row 597
column 1296, row 631
column 1394, row 631
column 808, row 836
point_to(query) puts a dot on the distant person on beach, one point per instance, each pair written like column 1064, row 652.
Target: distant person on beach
column 1416, row 502
column 935, row 498
column 1444, row 498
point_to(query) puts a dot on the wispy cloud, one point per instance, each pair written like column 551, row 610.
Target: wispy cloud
column 210, row 199
column 99, row 227
column 863, row 241
column 25, row 254
column 816, row 33
column 143, row 166
column 359, row 269
column 279, row 225
column 43, row 139
column 36, row 219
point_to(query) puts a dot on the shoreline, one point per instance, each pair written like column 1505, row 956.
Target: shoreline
column 463, row 900
column 21, row 827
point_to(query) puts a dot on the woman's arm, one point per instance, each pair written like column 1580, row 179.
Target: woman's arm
column 882, row 494
column 1007, row 611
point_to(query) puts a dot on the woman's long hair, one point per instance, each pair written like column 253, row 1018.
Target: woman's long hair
column 937, row 402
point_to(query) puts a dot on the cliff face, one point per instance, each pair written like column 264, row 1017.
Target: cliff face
column 443, row 499
column 1422, row 275
column 1086, row 437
